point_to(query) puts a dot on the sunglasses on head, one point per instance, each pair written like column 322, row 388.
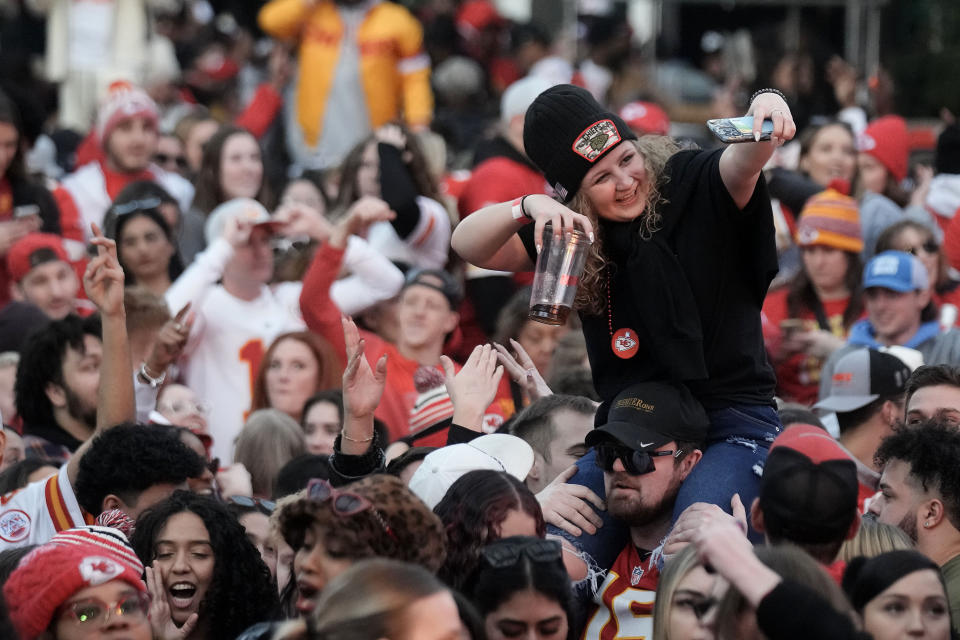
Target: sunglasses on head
column 929, row 247
column 253, row 503
column 136, row 205
column 507, row 554
column 636, row 463
column 91, row 611
column 345, row 503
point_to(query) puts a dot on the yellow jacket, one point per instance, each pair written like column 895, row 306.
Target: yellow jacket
column 395, row 71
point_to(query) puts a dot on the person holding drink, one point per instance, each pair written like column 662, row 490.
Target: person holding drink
column 682, row 253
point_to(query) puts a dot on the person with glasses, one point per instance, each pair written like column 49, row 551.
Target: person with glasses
column 650, row 444
column 87, row 588
column 206, row 578
column 522, row 590
column 170, row 155
column 330, row 529
column 919, row 241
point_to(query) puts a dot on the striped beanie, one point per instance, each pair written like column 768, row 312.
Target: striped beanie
column 433, row 404
column 830, row 219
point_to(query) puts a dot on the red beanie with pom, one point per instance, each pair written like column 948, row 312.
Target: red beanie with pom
column 50, row 574
column 886, row 139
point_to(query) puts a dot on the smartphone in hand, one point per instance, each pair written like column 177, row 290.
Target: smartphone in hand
column 733, row 130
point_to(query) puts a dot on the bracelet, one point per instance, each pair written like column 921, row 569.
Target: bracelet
column 150, row 380
column 348, row 438
column 523, row 207
column 767, row 90
column 519, row 212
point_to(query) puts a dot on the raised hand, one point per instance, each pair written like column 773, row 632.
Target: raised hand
column 237, row 231
column 170, row 341
column 103, row 279
column 391, row 134
column 567, row 506
column 770, row 105
column 522, row 371
column 298, row 219
column 161, row 621
column 474, row 387
column 361, row 214
column 362, row 386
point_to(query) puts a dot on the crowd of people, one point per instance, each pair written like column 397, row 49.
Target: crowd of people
column 267, row 368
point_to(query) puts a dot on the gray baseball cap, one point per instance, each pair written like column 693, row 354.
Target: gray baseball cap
column 862, row 376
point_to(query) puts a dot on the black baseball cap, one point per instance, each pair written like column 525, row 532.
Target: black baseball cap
column 439, row 280
column 648, row 415
column 809, row 488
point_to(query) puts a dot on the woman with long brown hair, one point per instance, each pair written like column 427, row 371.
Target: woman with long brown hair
column 390, row 165
column 807, row 320
column 296, row 365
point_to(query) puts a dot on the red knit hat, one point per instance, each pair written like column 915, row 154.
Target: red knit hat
column 124, row 101
column 646, row 117
column 886, row 140
column 27, row 253
column 50, row 574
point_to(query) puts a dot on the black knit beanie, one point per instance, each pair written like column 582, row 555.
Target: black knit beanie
column 566, row 131
column 866, row 578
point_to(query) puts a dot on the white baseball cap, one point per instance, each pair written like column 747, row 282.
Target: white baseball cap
column 443, row 467
column 246, row 208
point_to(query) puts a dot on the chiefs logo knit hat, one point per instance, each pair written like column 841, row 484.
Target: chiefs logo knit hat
column 566, row 131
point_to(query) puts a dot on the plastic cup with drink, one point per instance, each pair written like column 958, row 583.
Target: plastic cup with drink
column 558, row 271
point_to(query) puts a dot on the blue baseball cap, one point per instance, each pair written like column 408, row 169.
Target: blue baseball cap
column 897, row 271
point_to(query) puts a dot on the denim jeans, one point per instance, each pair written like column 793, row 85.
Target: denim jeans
column 737, row 445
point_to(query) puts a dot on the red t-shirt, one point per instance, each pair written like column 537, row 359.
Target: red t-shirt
column 624, row 602
column 798, row 376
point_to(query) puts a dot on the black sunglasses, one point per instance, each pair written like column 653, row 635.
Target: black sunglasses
column 162, row 158
column 507, row 554
column 253, row 503
column 636, row 463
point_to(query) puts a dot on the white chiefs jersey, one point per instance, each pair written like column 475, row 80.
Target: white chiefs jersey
column 34, row 514
column 227, row 342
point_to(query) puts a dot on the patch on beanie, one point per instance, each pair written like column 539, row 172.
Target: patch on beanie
column 866, row 142
column 595, row 139
column 98, row 570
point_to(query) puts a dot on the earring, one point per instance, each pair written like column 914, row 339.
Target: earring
column 926, row 524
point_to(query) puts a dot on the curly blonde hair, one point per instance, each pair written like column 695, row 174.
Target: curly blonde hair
column 656, row 151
